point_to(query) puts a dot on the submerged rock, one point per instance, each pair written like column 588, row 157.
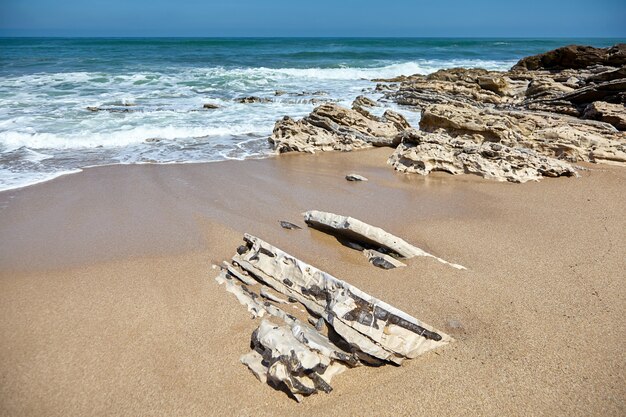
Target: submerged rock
column 252, row 99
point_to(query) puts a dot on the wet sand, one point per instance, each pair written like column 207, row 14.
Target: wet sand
column 109, row 304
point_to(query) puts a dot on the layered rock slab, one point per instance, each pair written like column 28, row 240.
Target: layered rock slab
column 331, row 127
column 358, row 231
column 299, row 357
column 423, row 152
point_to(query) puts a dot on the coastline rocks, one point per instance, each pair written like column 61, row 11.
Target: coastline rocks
column 551, row 134
column 332, row 127
column 614, row 114
column 362, row 101
column 210, row 106
column 423, row 152
column 574, row 56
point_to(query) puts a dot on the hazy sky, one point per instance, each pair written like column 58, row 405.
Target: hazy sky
column 520, row 18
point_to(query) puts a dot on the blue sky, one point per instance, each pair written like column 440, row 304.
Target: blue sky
column 480, row 18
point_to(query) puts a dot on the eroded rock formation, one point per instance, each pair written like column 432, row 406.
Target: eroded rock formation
column 300, row 357
column 331, row 127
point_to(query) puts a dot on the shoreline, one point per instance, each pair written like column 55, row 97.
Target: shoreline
column 110, row 304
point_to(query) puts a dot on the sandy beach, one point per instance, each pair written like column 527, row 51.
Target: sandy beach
column 109, row 304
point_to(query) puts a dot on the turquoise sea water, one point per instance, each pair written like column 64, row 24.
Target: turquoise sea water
column 158, row 86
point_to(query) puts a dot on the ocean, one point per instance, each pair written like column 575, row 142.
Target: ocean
column 152, row 91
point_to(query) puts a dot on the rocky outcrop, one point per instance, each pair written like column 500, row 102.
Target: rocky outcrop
column 252, row 99
column 574, row 57
column 550, row 134
column 298, row 357
column 614, row 114
column 423, row 152
column 565, row 105
column 331, row 127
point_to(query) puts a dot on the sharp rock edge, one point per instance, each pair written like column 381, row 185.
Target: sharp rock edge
column 363, row 233
column 295, row 355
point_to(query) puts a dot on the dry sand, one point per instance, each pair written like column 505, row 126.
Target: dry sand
column 109, row 306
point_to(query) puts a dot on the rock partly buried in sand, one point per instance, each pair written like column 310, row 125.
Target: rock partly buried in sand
column 423, row 152
column 210, row 106
column 288, row 225
column 332, row 127
column 382, row 260
column 297, row 357
column 252, row 99
column 575, row 57
column 115, row 109
column 366, row 235
column 614, row 114
column 355, row 177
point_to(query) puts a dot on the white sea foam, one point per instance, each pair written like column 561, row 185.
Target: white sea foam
column 46, row 129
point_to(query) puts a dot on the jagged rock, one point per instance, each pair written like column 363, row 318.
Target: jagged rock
column 280, row 358
column 386, row 87
column 331, row 127
column 252, row 99
column 459, row 85
column 367, row 235
column 382, row 260
column 614, row 114
column 612, row 91
column 288, row 225
column 550, row 134
column 297, row 356
column 608, row 75
column 355, row 177
column 210, row 106
column 544, row 87
column 362, row 101
column 422, row 152
column 367, row 324
column 576, row 57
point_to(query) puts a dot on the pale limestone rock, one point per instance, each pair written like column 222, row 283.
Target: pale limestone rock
column 614, row 114
column 331, row 127
column 422, row 152
column 550, row 134
column 382, row 260
column 357, row 231
column 296, row 355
